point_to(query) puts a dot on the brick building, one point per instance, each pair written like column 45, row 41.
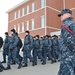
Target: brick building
column 38, row 16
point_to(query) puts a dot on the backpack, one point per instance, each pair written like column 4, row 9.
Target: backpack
column 37, row 44
column 19, row 43
column 1, row 42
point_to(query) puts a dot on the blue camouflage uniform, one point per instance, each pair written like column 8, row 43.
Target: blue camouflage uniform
column 13, row 41
column 6, row 48
column 67, row 47
column 46, row 47
column 34, row 52
column 28, row 46
column 43, row 49
column 42, row 52
column 55, row 48
column 38, row 50
column 59, row 41
column 50, row 50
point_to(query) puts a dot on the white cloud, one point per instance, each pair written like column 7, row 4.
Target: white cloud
column 4, row 6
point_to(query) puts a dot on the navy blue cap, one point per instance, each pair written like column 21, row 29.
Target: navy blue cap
column 6, row 33
column 27, row 31
column 13, row 30
column 65, row 11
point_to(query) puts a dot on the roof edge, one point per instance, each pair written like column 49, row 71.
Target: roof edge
column 18, row 5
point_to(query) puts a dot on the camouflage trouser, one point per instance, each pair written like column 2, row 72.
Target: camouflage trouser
column 5, row 53
column 39, row 53
column 26, row 55
column 35, row 55
column 13, row 54
column 55, row 52
column 66, row 68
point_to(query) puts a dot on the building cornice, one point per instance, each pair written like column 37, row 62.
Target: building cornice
column 20, row 4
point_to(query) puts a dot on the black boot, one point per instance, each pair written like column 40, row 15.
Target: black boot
column 33, row 64
column 19, row 66
column 53, row 61
column 43, row 63
column 8, row 67
column 13, row 63
column 36, row 63
column 3, row 67
column 3, row 61
column 25, row 65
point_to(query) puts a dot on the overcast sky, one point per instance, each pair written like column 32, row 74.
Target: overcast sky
column 4, row 6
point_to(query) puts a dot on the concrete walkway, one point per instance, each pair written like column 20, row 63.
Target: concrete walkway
column 48, row 69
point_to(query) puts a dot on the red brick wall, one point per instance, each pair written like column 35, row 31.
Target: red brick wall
column 53, row 8
column 35, row 15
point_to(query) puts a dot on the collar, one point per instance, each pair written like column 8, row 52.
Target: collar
column 68, row 21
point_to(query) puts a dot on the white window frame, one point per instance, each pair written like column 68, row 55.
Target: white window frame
column 23, row 11
column 22, row 26
column 15, row 27
column 18, row 28
column 43, row 21
column 42, row 3
column 27, row 25
column 33, row 7
column 15, row 15
column 27, row 9
column 18, row 13
column 33, row 24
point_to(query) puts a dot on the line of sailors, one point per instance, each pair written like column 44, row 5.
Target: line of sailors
column 46, row 47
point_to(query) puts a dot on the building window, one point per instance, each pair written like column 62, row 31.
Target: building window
column 22, row 26
column 32, row 24
column 27, row 9
column 22, row 11
column 42, row 3
column 27, row 25
column 15, row 27
column 42, row 21
column 33, row 7
column 18, row 13
column 18, row 28
column 15, row 15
